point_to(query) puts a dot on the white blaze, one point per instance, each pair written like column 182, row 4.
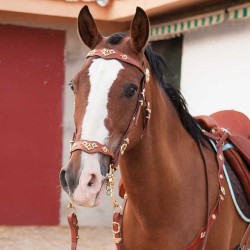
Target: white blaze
column 102, row 74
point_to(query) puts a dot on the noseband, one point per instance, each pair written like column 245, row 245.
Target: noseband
column 92, row 147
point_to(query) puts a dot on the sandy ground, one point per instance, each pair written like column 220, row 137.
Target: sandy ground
column 53, row 238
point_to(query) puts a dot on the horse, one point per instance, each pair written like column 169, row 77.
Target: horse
column 127, row 116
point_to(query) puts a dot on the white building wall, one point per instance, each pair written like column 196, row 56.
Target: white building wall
column 215, row 71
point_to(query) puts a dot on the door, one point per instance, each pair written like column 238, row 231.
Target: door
column 31, row 85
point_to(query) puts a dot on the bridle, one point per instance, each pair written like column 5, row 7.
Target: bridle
column 92, row 147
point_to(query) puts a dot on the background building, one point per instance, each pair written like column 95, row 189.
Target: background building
column 206, row 44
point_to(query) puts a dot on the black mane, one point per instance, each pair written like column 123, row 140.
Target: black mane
column 158, row 65
column 116, row 38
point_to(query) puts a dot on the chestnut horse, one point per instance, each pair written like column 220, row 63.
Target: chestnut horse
column 169, row 169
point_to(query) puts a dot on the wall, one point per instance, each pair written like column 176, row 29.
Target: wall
column 216, row 68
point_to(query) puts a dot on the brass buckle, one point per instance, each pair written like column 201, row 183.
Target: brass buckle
column 118, row 227
column 124, row 145
column 71, row 208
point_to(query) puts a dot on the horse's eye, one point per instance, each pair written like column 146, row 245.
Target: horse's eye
column 130, row 90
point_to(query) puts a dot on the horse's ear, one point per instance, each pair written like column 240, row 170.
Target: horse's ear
column 87, row 28
column 139, row 30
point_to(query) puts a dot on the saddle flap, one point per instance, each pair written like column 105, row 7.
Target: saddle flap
column 242, row 144
column 237, row 164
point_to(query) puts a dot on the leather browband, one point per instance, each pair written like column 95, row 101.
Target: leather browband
column 115, row 54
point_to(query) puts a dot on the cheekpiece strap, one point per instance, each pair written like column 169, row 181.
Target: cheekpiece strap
column 115, row 54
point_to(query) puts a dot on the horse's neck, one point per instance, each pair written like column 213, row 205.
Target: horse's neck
column 158, row 172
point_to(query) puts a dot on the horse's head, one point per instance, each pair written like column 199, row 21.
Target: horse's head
column 107, row 93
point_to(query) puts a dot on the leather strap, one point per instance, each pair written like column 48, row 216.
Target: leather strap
column 117, row 226
column 203, row 232
column 115, row 54
column 245, row 242
column 91, row 147
column 73, row 223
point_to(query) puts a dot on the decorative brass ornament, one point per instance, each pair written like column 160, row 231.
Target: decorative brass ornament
column 117, row 240
column 225, row 130
column 72, row 146
column 92, row 52
column 149, row 111
column 104, row 149
column 118, row 227
column 124, row 57
column 221, row 197
column 107, row 52
column 124, row 145
column 110, row 192
column 221, row 157
column 142, row 101
column 147, row 75
column 223, row 191
column 89, row 146
column 203, row 234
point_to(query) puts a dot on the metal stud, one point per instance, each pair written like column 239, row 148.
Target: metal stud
column 104, row 148
column 124, row 57
column 221, row 157
column 213, row 216
column 107, row 52
column 203, row 234
column 221, row 176
column 147, row 75
column 92, row 52
column 222, row 189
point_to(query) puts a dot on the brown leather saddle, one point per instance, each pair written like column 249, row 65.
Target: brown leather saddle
column 239, row 128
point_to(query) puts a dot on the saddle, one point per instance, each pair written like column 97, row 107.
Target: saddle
column 238, row 154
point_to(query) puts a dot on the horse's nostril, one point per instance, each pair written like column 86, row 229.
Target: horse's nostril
column 91, row 182
column 63, row 181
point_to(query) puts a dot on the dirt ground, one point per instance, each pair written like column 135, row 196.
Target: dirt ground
column 54, row 238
